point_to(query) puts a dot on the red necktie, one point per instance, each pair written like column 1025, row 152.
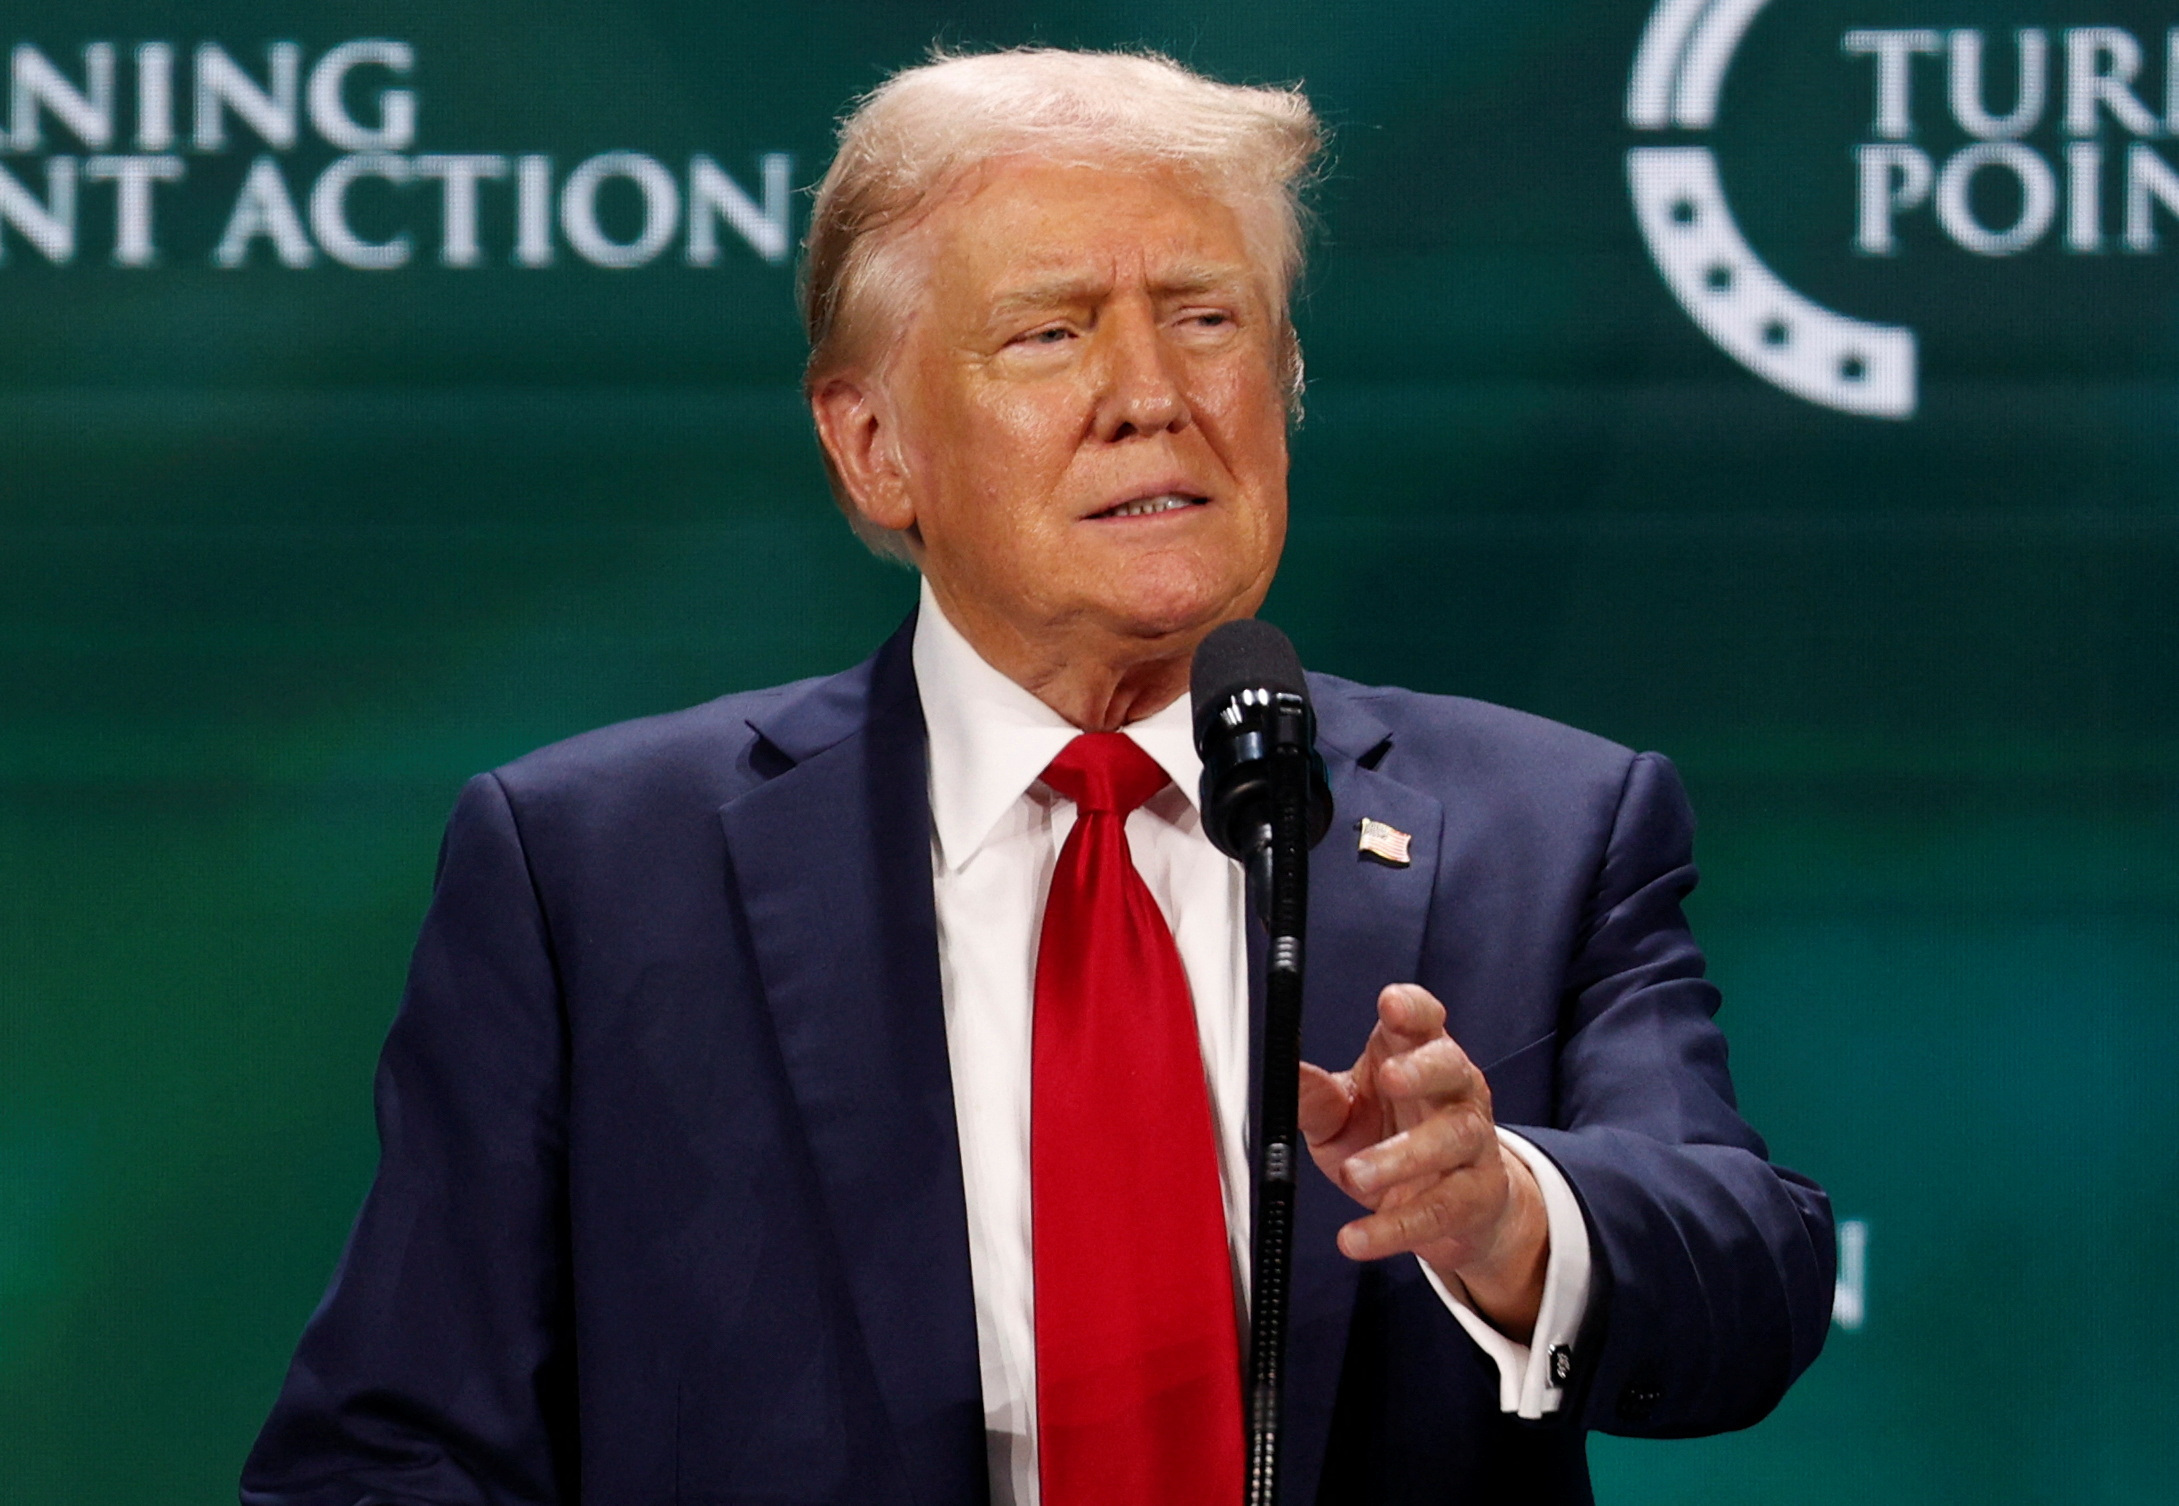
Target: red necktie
column 1138, row 1364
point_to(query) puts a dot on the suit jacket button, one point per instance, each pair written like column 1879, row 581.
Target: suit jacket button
column 1638, row 1401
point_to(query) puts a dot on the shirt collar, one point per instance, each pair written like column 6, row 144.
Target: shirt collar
column 990, row 739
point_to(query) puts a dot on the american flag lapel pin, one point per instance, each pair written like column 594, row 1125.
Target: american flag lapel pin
column 1386, row 843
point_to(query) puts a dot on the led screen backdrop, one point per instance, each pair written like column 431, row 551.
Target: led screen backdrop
column 386, row 389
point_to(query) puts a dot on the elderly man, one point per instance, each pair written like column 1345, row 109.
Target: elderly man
column 839, row 1093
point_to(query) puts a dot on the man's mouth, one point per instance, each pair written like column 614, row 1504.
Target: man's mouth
column 1143, row 507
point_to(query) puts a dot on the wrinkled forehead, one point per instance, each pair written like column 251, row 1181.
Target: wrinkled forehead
column 1035, row 230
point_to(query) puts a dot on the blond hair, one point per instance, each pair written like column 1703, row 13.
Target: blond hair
column 909, row 140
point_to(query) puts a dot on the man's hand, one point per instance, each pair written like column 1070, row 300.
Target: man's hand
column 1407, row 1132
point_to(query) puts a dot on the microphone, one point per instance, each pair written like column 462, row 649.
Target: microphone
column 1265, row 804
column 1251, row 700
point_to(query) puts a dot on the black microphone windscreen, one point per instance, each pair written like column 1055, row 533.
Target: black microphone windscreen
column 1243, row 655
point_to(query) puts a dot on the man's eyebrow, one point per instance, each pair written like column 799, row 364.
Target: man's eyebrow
column 1051, row 292
column 1203, row 277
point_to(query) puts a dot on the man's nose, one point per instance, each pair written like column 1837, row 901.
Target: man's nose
column 1142, row 391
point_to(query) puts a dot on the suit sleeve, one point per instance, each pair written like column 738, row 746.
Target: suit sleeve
column 438, row 1367
column 1713, row 1268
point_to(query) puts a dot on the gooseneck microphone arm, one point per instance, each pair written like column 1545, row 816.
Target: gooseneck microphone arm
column 1265, row 804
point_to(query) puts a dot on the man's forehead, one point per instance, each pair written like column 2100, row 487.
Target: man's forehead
column 1092, row 277
column 1047, row 230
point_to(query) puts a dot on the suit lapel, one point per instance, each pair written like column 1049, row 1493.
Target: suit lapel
column 831, row 861
column 1366, row 923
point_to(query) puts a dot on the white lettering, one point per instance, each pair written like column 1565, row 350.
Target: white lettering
column 533, row 212
column 35, row 84
column 329, row 212
column 329, row 115
column 579, row 209
column 264, row 208
column 714, row 196
column 2101, row 62
column 1894, row 53
column 1964, row 83
column 1850, row 1293
column 460, row 174
column 51, row 225
column 1893, row 179
column 2171, row 79
column 132, row 178
column 223, row 86
column 2084, row 197
column 2038, row 197
column 617, row 209
column 154, row 97
column 2149, row 182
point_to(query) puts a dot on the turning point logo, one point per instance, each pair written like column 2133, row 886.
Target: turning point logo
column 2080, row 83
column 1784, row 338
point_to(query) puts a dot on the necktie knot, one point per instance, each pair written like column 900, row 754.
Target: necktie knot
column 1105, row 773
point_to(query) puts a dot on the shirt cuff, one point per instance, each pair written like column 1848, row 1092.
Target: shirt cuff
column 1532, row 1377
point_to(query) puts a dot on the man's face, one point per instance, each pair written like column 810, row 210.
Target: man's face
column 1092, row 432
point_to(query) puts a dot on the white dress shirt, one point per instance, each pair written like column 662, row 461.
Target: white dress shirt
column 996, row 831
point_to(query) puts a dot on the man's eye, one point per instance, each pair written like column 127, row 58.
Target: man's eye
column 1052, row 336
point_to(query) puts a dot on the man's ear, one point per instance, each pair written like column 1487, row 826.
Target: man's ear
column 859, row 428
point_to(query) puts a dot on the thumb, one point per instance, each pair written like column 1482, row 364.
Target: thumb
column 1325, row 1102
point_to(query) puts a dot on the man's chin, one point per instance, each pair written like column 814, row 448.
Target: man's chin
column 1182, row 588
column 1166, row 619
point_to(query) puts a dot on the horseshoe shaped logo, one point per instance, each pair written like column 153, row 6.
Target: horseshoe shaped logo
column 1790, row 341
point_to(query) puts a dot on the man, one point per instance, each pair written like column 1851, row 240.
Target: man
column 838, row 1093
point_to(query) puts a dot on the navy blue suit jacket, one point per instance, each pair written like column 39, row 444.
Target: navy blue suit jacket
column 670, row 1208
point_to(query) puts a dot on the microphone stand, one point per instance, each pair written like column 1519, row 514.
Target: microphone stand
column 1281, row 878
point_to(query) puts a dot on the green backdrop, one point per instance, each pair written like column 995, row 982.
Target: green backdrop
column 288, row 551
